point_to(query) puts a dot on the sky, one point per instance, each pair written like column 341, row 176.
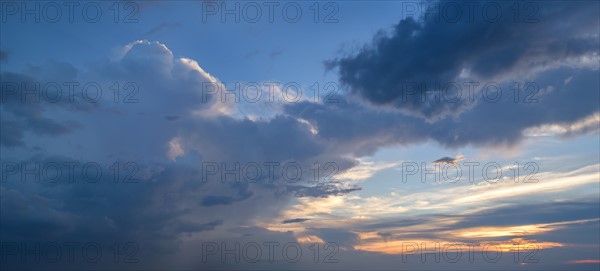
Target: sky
column 306, row 135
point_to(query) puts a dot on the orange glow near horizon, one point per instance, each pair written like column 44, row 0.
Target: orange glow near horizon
column 414, row 245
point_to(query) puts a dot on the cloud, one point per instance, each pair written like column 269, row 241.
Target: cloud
column 242, row 194
column 168, row 134
column 341, row 237
column 561, row 70
column 172, row 130
column 433, row 51
column 217, row 200
column 24, row 110
column 365, row 170
column 190, row 227
column 295, row 220
column 12, row 133
column 322, row 191
column 360, row 129
column 536, row 225
column 590, row 124
column 449, row 160
column 470, row 212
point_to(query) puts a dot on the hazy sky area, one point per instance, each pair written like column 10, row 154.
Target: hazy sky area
column 301, row 135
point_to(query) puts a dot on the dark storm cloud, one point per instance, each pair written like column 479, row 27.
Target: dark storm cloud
column 438, row 51
column 560, row 60
column 163, row 210
column 106, row 212
column 170, row 200
column 565, row 96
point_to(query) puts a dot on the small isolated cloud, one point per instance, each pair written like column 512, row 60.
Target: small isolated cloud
column 295, row 220
column 449, row 160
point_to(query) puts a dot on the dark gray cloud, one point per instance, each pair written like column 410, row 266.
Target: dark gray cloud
column 558, row 62
column 295, row 220
column 565, row 96
column 433, row 51
column 446, row 160
column 164, row 210
column 321, row 191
